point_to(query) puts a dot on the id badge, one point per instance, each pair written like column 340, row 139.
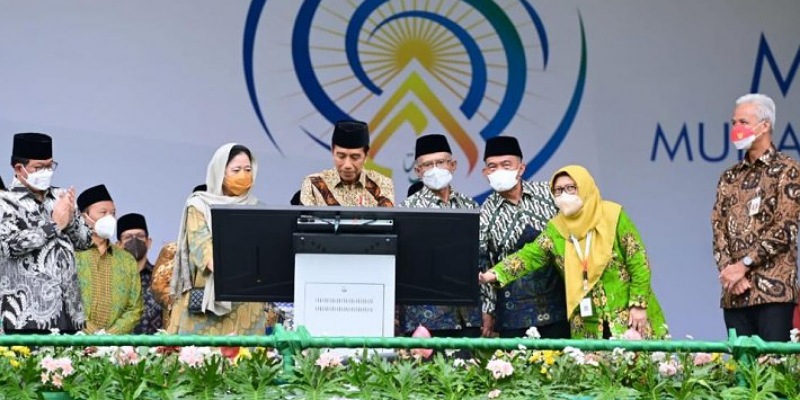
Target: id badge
column 753, row 205
column 586, row 307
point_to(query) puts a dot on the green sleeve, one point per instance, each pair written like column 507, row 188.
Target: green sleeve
column 529, row 258
column 132, row 310
column 635, row 261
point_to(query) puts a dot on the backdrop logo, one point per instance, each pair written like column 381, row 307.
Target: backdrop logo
column 462, row 68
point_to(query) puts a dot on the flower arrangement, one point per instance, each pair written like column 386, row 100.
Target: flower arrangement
column 192, row 372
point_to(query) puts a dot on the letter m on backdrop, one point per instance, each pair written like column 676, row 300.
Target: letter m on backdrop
column 765, row 54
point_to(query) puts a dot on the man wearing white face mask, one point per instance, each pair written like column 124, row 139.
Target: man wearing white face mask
column 435, row 166
column 755, row 223
column 39, row 232
column 512, row 216
column 108, row 276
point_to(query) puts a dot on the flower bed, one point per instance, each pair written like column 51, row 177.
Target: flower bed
column 162, row 372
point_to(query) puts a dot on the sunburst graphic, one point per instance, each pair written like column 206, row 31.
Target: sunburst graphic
column 410, row 67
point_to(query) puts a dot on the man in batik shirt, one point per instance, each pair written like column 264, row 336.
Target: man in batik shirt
column 109, row 278
column 133, row 236
column 513, row 215
column 40, row 229
column 435, row 165
column 754, row 222
column 348, row 184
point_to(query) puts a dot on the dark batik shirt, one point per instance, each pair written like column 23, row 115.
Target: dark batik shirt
column 756, row 214
column 538, row 299
column 437, row 317
column 151, row 320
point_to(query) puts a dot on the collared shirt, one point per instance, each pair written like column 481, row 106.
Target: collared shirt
column 326, row 188
column 503, row 224
column 435, row 317
column 151, row 320
column 38, row 282
column 110, row 290
column 756, row 214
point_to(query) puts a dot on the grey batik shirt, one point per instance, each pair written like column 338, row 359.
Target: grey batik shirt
column 38, row 279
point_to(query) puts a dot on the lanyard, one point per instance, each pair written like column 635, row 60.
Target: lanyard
column 584, row 257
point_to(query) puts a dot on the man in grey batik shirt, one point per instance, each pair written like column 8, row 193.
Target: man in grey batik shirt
column 40, row 228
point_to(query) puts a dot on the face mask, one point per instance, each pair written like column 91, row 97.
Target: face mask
column 743, row 137
column 437, row 178
column 106, row 227
column 569, row 204
column 238, row 184
column 503, row 180
column 137, row 247
column 40, row 180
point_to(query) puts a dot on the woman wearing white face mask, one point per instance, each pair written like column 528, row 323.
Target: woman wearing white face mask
column 108, row 276
column 598, row 250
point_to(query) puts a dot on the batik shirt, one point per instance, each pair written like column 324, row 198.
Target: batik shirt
column 151, row 320
column 624, row 283
column 537, row 299
column 435, row 317
column 110, row 290
column 38, row 280
column 326, row 188
column 756, row 214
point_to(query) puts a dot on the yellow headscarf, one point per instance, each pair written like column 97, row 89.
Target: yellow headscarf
column 597, row 216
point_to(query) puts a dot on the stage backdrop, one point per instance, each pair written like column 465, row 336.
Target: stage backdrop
column 138, row 95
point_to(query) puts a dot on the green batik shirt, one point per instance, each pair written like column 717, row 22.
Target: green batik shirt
column 625, row 281
column 111, row 290
column 431, row 316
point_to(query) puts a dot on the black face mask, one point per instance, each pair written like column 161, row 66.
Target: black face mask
column 137, row 247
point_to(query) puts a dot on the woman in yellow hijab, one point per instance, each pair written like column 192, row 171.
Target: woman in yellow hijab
column 598, row 249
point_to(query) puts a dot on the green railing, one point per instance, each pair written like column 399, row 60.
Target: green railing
column 289, row 343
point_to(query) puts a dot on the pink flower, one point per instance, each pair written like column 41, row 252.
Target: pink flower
column 500, row 368
column 57, row 380
column 193, row 356
column 668, row 368
column 421, row 332
column 494, row 394
column 328, row 360
column 702, row 358
column 632, row 334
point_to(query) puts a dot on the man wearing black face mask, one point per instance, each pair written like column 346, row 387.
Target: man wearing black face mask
column 132, row 235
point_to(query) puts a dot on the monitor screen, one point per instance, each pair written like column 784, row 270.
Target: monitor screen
column 436, row 249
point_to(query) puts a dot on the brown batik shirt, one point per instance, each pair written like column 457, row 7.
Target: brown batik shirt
column 756, row 215
column 326, row 188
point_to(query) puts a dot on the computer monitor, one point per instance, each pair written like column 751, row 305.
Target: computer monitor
column 436, row 249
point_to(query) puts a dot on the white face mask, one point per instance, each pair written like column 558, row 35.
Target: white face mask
column 106, row 227
column 746, row 143
column 437, row 178
column 40, row 180
column 569, row 204
column 503, row 180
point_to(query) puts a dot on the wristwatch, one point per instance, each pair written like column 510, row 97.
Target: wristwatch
column 747, row 261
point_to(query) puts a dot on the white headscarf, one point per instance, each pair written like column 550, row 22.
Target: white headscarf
column 184, row 272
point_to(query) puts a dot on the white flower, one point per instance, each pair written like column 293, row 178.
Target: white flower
column 194, row 356
column 668, row 368
column 458, row 362
column 532, row 332
column 522, row 347
column 658, row 357
column 494, row 394
column 795, row 335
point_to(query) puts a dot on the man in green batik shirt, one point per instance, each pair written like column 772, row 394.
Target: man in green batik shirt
column 109, row 277
column 435, row 166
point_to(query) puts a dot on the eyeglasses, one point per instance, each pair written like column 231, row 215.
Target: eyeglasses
column 49, row 167
column 570, row 189
column 128, row 236
column 441, row 163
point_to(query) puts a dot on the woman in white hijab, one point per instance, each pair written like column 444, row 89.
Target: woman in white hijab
column 230, row 177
